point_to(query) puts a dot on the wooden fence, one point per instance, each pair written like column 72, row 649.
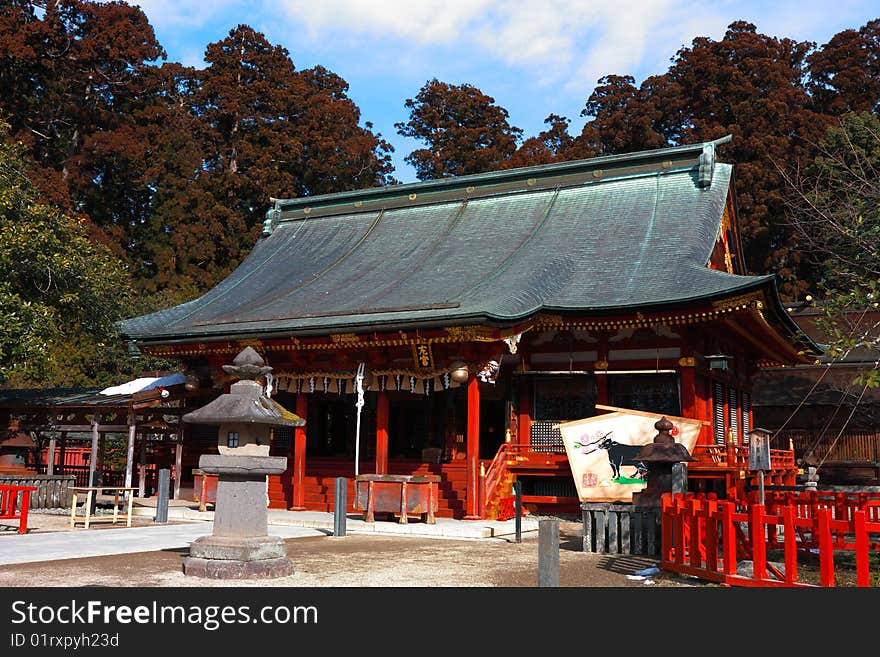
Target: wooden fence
column 620, row 529
column 53, row 491
column 852, row 446
column 707, row 538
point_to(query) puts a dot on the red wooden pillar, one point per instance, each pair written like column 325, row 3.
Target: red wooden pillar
column 382, row 433
column 473, row 449
column 689, row 393
column 602, row 389
column 703, row 408
column 299, row 456
column 524, row 424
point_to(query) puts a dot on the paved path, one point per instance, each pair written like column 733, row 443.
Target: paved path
column 443, row 528
column 50, row 546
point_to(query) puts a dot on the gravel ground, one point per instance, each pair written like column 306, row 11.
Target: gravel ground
column 355, row 560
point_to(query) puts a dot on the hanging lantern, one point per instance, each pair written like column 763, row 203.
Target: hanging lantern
column 459, row 372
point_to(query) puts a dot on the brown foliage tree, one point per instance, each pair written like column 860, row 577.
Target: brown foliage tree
column 72, row 73
column 845, row 72
column 748, row 85
column 622, row 118
column 265, row 130
column 465, row 131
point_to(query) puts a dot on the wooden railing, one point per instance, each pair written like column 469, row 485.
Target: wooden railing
column 842, row 505
column 540, row 453
column 705, row 537
column 732, row 455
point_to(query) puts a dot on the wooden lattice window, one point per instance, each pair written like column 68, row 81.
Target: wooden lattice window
column 733, row 414
column 718, row 411
column 746, row 416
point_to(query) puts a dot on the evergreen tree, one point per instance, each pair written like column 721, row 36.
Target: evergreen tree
column 464, row 130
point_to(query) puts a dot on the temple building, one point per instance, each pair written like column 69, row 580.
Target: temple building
column 480, row 312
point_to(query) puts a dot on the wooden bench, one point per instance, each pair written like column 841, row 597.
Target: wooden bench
column 9, row 507
column 91, row 492
column 401, row 494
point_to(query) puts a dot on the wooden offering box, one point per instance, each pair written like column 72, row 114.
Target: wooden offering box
column 401, row 494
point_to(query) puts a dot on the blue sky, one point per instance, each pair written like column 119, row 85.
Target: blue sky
column 534, row 58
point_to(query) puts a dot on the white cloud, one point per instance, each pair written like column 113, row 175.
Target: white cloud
column 424, row 22
column 567, row 43
column 562, row 41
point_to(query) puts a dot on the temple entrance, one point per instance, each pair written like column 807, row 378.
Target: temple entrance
column 331, row 426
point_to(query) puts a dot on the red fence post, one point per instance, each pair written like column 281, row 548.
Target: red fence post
column 822, row 526
column 694, row 534
column 680, row 531
column 728, row 537
column 667, row 519
column 790, row 538
column 25, row 505
column 863, row 577
column 712, row 535
column 759, row 545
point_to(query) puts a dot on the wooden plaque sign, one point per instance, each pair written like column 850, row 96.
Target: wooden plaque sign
column 759, row 451
column 602, row 451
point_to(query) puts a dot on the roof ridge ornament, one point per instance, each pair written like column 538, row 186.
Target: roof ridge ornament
column 707, row 160
column 272, row 216
column 707, row 165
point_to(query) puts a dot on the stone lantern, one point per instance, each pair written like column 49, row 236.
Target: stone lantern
column 240, row 546
column 659, row 456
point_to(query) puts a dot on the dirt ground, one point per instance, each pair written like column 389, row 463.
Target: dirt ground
column 356, row 560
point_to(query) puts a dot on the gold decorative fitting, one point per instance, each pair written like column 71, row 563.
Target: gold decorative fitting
column 358, row 204
column 598, row 173
column 546, row 319
column 412, row 197
column 307, row 210
column 666, row 164
column 256, row 344
column 601, row 365
column 344, row 338
column 531, row 181
column 469, row 189
column 687, row 361
column 470, row 334
column 737, row 303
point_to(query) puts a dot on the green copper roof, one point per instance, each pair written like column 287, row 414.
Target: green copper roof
column 603, row 235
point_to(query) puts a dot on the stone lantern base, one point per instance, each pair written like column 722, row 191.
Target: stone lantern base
column 240, row 547
column 234, row 569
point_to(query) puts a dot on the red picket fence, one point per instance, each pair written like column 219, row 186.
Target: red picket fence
column 11, row 508
column 706, row 537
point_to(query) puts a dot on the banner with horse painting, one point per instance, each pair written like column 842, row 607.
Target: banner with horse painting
column 602, row 450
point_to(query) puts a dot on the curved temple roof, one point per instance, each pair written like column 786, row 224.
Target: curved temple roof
column 608, row 234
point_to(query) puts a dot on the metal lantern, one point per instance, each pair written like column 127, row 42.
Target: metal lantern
column 459, row 372
column 718, row 361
